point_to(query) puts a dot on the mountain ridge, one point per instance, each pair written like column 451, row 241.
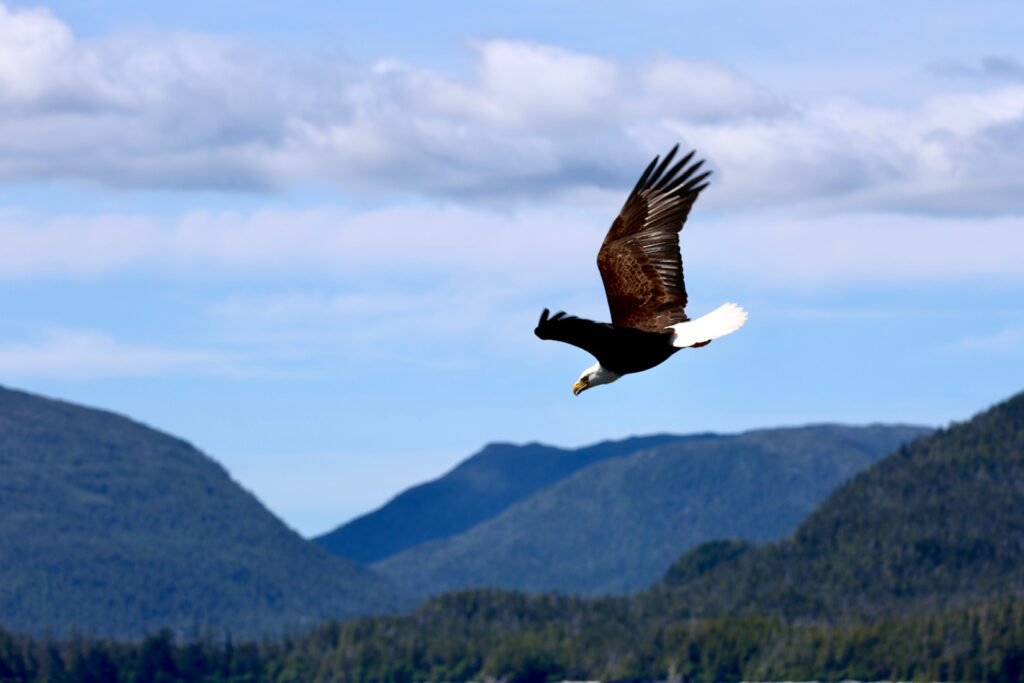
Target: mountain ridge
column 617, row 524
column 936, row 524
column 476, row 489
column 113, row 528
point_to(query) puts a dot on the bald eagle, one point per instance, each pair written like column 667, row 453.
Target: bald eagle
column 643, row 280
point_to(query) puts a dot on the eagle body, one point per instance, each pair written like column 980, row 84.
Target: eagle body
column 618, row 349
column 642, row 272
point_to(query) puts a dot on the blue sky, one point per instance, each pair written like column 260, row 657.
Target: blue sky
column 314, row 239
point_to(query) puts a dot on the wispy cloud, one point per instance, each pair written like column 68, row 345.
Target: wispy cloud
column 865, row 251
column 368, row 323
column 405, row 241
column 992, row 67
column 385, row 254
column 86, row 354
column 524, row 120
column 1005, row 341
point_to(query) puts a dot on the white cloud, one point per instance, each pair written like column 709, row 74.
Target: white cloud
column 419, row 240
column 865, row 251
column 942, row 156
column 700, row 91
column 143, row 110
column 518, row 86
column 86, row 354
column 74, row 246
column 445, row 251
column 43, row 66
column 525, row 120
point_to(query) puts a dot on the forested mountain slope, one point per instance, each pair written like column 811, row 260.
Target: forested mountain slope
column 617, row 525
column 112, row 528
column 476, row 490
column 939, row 523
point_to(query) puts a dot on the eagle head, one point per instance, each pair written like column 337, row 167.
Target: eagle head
column 593, row 376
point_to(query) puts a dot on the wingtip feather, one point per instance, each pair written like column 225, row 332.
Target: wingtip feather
column 656, row 176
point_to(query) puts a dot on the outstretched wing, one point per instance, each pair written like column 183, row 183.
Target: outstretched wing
column 596, row 338
column 639, row 260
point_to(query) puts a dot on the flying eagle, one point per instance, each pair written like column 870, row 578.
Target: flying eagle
column 643, row 280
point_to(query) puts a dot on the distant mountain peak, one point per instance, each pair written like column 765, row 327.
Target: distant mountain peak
column 109, row 527
column 474, row 491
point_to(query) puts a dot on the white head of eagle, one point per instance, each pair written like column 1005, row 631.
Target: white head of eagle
column 593, row 376
column 642, row 272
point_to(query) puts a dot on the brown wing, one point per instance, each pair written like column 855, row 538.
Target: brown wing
column 639, row 260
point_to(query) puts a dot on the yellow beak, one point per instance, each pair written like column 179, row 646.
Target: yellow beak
column 579, row 387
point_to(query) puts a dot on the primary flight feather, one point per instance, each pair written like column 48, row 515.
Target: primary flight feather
column 642, row 272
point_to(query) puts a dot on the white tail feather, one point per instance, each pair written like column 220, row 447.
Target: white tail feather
column 718, row 323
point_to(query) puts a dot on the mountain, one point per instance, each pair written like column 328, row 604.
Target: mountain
column 938, row 524
column 618, row 524
column 477, row 489
column 111, row 528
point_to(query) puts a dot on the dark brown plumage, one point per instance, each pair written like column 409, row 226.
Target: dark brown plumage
column 639, row 261
column 642, row 272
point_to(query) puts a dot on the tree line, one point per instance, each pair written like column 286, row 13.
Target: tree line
column 479, row 635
